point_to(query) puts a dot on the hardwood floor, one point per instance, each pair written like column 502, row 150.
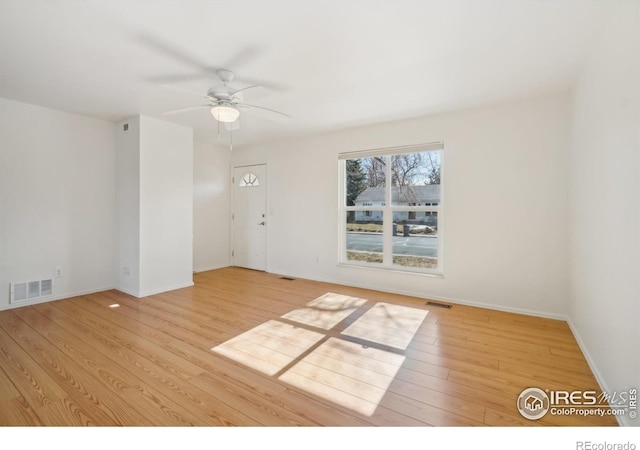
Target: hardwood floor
column 84, row 361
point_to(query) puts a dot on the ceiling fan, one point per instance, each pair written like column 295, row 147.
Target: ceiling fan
column 226, row 102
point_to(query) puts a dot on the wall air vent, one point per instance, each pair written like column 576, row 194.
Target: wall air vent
column 30, row 290
column 18, row 292
column 438, row 304
column 46, row 287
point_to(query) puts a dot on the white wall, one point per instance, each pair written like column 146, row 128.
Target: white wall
column 605, row 200
column 166, row 206
column 57, row 199
column 210, row 204
column 127, row 267
column 505, row 205
column 155, row 206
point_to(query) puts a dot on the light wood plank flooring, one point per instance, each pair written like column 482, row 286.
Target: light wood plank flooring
column 82, row 361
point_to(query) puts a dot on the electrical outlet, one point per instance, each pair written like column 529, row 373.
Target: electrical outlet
column 126, row 271
column 57, row 272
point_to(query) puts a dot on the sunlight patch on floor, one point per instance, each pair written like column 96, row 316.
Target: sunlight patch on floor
column 388, row 324
column 355, row 375
column 327, row 311
column 269, row 347
column 346, row 373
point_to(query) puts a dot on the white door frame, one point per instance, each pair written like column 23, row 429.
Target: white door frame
column 233, row 207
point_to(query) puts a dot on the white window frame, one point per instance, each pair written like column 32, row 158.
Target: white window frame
column 387, row 208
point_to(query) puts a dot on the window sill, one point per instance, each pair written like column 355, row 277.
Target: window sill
column 391, row 269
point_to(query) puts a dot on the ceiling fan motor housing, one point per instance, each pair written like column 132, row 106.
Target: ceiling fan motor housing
column 220, row 92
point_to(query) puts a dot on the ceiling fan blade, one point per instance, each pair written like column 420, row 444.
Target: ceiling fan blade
column 181, row 77
column 268, row 113
column 181, row 110
column 270, row 85
column 243, row 57
column 169, row 50
column 251, row 93
column 199, row 94
column 240, row 59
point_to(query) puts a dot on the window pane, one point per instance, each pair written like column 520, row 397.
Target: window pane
column 364, row 236
column 365, row 181
column 416, row 245
column 415, row 178
column 249, row 179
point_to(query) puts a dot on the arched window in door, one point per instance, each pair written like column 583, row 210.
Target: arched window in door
column 249, row 179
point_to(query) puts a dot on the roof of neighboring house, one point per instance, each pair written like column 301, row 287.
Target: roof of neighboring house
column 405, row 194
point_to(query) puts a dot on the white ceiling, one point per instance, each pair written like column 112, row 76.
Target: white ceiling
column 329, row 64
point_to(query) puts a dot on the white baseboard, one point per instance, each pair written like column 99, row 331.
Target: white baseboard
column 456, row 301
column 165, row 289
column 526, row 312
column 128, row 292
column 622, row 420
column 67, row 295
column 53, row 298
column 208, row 268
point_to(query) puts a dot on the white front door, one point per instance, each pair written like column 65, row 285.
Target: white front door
column 250, row 217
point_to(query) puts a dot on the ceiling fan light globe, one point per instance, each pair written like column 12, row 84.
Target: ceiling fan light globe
column 226, row 114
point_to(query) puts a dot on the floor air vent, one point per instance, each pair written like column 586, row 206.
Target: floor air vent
column 287, row 278
column 439, row 305
column 30, row 290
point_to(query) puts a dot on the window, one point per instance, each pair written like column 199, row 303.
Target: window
column 249, row 179
column 390, row 207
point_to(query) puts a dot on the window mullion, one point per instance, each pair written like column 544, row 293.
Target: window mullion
column 387, row 224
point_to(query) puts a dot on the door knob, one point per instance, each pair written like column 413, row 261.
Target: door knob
column 262, row 223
